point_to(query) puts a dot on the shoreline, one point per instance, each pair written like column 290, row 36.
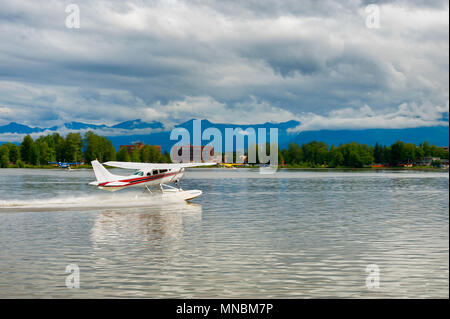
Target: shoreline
column 419, row 168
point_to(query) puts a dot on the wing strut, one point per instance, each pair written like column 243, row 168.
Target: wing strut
column 148, row 189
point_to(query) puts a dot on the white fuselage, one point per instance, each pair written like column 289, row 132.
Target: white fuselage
column 151, row 177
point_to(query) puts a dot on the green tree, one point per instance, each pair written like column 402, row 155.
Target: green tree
column 108, row 150
column 4, row 156
column 91, row 146
column 26, row 149
column 34, row 155
column 14, row 152
column 357, row 155
column 150, row 154
column 123, row 155
column 398, row 153
column 419, row 153
column 98, row 147
column 45, row 153
column 426, row 149
column 366, row 154
column 165, row 158
column 136, row 155
column 354, row 160
column 4, row 161
column 73, row 147
column 20, row 164
column 46, row 149
column 315, row 152
column 294, row 154
column 58, row 145
column 378, row 154
column 409, row 155
column 387, row 155
column 336, row 158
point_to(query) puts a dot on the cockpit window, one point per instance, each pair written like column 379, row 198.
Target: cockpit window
column 139, row 173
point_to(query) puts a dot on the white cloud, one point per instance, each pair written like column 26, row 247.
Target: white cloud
column 251, row 111
column 5, row 111
column 405, row 116
column 18, row 137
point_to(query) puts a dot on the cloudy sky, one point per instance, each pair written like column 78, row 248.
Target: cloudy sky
column 239, row 61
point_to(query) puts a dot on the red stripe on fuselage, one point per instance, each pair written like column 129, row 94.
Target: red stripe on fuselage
column 139, row 180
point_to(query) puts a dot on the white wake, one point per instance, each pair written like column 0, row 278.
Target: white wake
column 86, row 202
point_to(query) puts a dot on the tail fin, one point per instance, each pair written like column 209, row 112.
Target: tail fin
column 101, row 173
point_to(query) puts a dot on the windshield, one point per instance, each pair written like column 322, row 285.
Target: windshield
column 139, row 173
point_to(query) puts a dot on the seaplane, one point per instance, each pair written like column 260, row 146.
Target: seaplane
column 230, row 165
column 65, row 165
column 148, row 175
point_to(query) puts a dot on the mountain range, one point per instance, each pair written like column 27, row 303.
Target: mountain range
column 154, row 133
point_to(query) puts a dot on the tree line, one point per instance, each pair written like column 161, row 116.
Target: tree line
column 72, row 148
column 316, row 154
column 76, row 148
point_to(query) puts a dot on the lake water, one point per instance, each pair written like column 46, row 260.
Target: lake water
column 294, row 234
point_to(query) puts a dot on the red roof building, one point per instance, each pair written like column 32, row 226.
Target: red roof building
column 138, row 145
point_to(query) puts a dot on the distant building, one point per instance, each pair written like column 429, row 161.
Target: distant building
column 138, row 145
column 194, row 153
column 426, row 161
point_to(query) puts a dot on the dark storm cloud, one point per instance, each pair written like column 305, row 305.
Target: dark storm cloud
column 223, row 60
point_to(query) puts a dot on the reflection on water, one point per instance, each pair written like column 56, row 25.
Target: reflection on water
column 134, row 238
column 295, row 234
column 154, row 225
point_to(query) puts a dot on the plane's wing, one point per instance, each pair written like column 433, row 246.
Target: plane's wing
column 134, row 165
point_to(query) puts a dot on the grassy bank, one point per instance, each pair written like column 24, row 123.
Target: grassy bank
column 44, row 166
column 368, row 168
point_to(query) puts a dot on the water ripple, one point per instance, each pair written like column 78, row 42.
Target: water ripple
column 295, row 234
